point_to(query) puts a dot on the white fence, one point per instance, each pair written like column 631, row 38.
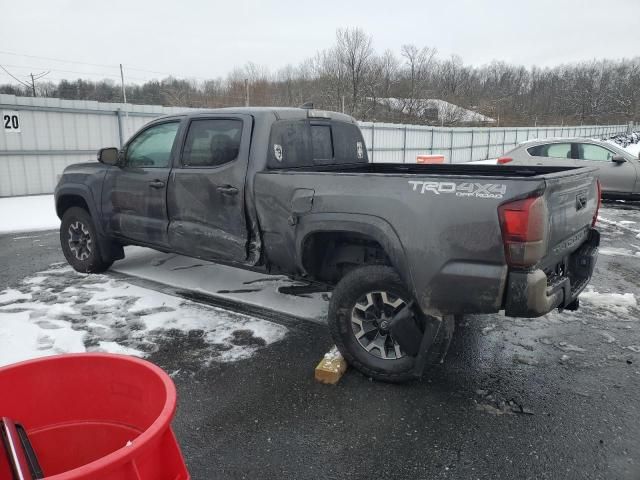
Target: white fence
column 395, row 143
column 41, row 136
column 54, row 133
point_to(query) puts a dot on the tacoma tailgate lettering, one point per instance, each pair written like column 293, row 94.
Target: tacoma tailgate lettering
column 464, row 189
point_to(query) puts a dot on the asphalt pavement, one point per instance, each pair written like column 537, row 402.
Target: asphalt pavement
column 550, row 398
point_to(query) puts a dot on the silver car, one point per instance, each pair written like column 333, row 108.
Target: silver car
column 619, row 171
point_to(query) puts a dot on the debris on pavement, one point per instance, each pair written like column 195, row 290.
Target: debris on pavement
column 567, row 347
column 525, row 360
column 331, row 367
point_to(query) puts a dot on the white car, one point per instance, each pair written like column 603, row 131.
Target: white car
column 618, row 170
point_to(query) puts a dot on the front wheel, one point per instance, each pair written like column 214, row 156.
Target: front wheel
column 362, row 304
column 79, row 242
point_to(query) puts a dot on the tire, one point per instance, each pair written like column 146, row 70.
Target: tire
column 352, row 289
column 80, row 243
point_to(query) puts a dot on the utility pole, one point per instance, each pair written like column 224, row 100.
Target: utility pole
column 35, row 77
column 342, row 103
column 246, row 92
column 32, row 85
column 124, row 92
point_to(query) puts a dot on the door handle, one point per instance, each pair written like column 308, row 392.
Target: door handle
column 156, row 184
column 227, row 190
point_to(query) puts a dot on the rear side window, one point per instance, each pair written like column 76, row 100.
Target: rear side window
column 555, row 150
column 212, row 142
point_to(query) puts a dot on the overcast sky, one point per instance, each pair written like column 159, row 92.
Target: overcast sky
column 207, row 38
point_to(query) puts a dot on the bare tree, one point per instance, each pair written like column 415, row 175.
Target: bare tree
column 354, row 51
column 418, row 62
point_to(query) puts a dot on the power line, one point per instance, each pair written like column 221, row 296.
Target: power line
column 35, row 77
column 138, row 69
column 27, row 67
column 15, row 78
column 57, row 59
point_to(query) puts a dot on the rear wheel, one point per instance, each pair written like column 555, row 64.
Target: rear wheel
column 79, row 242
column 362, row 305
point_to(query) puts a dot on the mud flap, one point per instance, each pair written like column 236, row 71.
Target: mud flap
column 418, row 344
column 431, row 330
column 110, row 250
column 405, row 331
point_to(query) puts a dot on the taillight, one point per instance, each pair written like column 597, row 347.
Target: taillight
column 599, row 191
column 524, row 230
column 503, row 160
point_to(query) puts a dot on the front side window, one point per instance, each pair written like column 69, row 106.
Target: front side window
column 555, row 150
column 152, row 148
column 587, row 151
column 212, row 142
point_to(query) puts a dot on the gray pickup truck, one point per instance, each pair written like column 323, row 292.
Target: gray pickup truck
column 404, row 248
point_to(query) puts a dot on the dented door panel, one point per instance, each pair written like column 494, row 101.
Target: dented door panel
column 206, row 204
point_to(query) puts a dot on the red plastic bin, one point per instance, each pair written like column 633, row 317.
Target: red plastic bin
column 95, row 416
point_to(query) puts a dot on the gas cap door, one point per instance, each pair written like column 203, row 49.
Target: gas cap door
column 302, row 200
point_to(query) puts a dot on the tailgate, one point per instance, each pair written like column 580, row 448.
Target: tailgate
column 568, row 251
column 572, row 200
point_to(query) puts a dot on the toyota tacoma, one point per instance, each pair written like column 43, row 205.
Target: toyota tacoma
column 403, row 247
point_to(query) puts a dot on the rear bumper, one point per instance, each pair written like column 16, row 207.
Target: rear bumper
column 534, row 293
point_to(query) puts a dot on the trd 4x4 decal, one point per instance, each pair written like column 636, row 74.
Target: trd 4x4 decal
column 464, row 189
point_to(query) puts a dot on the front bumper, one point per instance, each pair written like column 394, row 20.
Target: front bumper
column 534, row 293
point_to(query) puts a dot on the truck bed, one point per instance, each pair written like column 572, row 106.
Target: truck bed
column 440, row 221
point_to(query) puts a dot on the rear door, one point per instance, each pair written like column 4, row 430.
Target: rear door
column 206, row 196
column 134, row 194
column 614, row 177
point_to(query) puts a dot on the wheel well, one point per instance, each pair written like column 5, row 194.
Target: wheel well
column 65, row 202
column 328, row 256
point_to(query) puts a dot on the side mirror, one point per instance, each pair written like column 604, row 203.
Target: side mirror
column 618, row 159
column 108, row 156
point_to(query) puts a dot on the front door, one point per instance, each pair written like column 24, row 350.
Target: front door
column 135, row 194
column 206, row 196
column 614, row 177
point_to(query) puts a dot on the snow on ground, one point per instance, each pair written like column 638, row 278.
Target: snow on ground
column 633, row 149
column 249, row 287
column 620, row 252
column 492, row 161
column 446, row 111
column 28, row 214
column 61, row 311
column 618, row 303
column 628, row 141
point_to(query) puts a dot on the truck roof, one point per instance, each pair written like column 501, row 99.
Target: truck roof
column 280, row 113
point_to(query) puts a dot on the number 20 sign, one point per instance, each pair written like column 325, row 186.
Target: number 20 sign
column 10, row 122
